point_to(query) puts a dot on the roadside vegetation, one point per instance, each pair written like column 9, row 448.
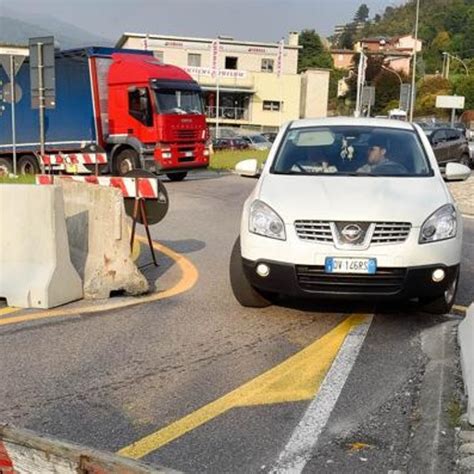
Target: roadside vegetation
column 227, row 159
column 22, row 179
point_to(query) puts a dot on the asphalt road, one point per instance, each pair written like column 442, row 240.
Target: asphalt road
column 111, row 379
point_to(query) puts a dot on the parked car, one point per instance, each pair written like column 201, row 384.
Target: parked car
column 229, row 144
column 449, row 144
column 349, row 208
column 257, row 142
column 270, row 136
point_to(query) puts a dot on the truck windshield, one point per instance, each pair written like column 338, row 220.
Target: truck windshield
column 172, row 101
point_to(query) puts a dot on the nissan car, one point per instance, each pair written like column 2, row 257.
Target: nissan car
column 349, row 208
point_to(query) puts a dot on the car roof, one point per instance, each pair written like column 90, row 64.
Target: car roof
column 351, row 121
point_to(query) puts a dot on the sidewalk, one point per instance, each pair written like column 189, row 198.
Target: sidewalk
column 463, row 192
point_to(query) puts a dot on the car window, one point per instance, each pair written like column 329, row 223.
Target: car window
column 452, row 134
column 351, row 150
column 259, row 139
column 440, row 136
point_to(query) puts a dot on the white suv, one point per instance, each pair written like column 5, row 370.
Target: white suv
column 349, row 208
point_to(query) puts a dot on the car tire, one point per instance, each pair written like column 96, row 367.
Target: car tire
column 244, row 292
column 125, row 161
column 28, row 164
column 465, row 160
column 444, row 303
column 177, row 176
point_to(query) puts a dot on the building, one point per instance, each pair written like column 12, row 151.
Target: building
column 343, row 58
column 355, row 27
column 397, row 51
column 259, row 85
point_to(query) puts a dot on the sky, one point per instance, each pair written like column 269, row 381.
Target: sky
column 258, row 20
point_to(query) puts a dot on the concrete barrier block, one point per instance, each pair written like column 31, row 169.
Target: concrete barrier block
column 99, row 240
column 466, row 342
column 35, row 266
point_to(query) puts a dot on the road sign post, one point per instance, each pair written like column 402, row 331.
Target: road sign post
column 368, row 98
column 405, row 97
column 43, row 89
column 12, row 59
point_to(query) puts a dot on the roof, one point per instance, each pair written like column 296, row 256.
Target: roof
column 222, row 40
column 351, row 121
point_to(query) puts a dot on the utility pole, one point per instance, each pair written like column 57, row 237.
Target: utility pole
column 413, row 75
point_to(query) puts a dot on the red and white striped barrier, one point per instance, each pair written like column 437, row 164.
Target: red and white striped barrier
column 147, row 187
column 74, row 159
column 22, row 452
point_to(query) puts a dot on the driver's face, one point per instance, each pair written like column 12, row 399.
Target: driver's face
column 376, row 154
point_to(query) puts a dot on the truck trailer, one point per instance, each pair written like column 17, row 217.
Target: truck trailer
column 140, row 112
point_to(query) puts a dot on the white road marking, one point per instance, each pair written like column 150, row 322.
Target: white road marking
column 299, row 448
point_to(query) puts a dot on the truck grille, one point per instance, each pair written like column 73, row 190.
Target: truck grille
column 188, row 135
column 382, row 232
column 386, row 281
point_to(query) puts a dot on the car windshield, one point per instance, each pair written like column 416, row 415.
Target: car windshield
column 172, row 101
column 351, row 151
column 258, row 139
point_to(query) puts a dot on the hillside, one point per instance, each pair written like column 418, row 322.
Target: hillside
column 445, row 25
column 14, row 30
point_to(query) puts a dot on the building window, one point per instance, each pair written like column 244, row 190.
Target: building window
column 273, row 105
column 267, row 65
column 159, row 55
column 194, row 60
column 231, row 62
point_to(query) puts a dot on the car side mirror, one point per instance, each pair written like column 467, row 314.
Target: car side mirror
column 456, row 172
column 248, row 168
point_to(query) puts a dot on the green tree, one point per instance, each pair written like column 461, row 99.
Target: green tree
column 346, row 40
column 465, row 87
column 313, row 53
column 362, row 13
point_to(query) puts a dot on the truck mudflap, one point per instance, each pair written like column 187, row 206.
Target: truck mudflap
column 23, row 451
column 181, row 157
column 73, row 162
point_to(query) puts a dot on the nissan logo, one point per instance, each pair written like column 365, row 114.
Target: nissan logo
column 351, row 232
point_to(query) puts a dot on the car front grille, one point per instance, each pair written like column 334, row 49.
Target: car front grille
column 386, row 281
column 187, row 134
column 330, row 232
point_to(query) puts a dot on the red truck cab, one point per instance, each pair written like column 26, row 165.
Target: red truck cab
column 155, row 117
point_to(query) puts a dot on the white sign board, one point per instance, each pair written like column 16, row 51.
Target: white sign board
column 207, row 71
column 450, row 102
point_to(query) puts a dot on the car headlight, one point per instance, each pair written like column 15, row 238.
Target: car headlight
column 265, row 221
column 441, row 225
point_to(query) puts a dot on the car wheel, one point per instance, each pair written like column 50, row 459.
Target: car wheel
column 466, row 160
column 444, row 303
column 126, row 161
column 177, row 176
column 244, row 292
column 28, row 164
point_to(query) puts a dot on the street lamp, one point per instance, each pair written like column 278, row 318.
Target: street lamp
column 447, row 57
column 394, row 72
column 413, row 75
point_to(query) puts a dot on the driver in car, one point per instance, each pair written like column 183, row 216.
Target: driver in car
column 377, row 157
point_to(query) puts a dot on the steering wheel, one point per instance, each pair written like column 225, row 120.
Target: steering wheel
column 391, row 168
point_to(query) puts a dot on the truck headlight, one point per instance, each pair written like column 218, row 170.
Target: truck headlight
column 441, row 225
column 265, row 221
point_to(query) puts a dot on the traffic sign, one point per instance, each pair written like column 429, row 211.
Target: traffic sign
column 368, row 96
column 42, row 72
column 450, row 101
column 405, row 97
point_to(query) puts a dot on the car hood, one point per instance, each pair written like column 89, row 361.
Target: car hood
column 339, row 198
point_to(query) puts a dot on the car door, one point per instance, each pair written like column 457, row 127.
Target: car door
column 440, row 145
column 454, row 142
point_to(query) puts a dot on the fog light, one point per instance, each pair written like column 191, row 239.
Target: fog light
column 438, row 275
column 263, row 270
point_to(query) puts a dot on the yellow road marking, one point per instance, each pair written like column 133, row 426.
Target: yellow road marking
column 8, row 310
column 136, row 250
column 296, row 379
column 460, row 308
column 189, row 277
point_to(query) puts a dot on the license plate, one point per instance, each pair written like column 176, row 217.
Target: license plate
column 350, row 265
column 187, row 154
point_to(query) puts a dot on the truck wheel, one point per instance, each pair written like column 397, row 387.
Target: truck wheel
column 28, row 164
column 177, row 176
column 244, row 292
column 126, row 161
column 5, row 166
column 442, row 304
